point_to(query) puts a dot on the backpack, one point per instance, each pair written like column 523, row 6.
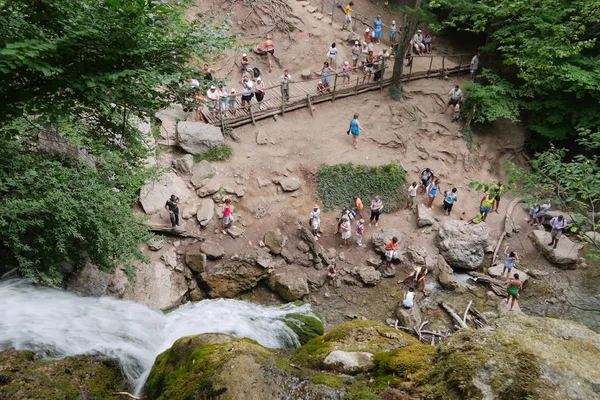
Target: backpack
column 256, row 72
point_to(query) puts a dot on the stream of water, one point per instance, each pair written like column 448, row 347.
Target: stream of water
column 58, row 323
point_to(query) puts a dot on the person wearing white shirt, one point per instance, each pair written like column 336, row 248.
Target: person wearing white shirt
column 474, row 65
column 418, row 42
column 247, row 92
column 286, row 78
column 213, row 97
column 454, row 97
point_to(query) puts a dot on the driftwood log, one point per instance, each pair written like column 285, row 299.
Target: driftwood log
column 116, row 394
column 508, row 226
column 459, row 321
column 167, row 230
column 498, row 286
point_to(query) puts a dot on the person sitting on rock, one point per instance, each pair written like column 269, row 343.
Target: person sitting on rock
column 558, row 227
column 478, row 219
column 408, row 300
column 513, row 288
column 532, row 211
column 509, row 264
column 540, row 216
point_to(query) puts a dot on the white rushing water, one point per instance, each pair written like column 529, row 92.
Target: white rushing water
column 60, row 323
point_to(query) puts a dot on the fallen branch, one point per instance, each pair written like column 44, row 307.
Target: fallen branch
column 128, row 395
column 507, row 224
column 454, row 315
column 466, row 312
column 170, row 231
column 478, row 314
column 498, row 286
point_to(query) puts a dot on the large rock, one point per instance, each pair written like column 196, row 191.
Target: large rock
column 208, row 187
column 275, row 241
column 195, row 260
column 367, row 275
column 25, row 376
column 416, row 255
column 205, row 211
column 290, row 184
column 200, row 172
column 169, row 257
column 198, row 137
column 349, row 362
column 444, row 273
column 212, row 249
column 317, row 251
column 593, row 236
column 290, row 283
column 495, row 271
column 184, row 164
column 566, row 253
column 463, row 245
column 424, row 216
column 408, row 317
column 238, row 274
column 382, row 236
column 89, row 280
column 157, row 286
column 548, row 359
column 155, row 194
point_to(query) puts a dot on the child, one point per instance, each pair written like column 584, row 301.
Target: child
column 315, row 221
column 393, row 30
column 456, row 113
column 360, row 228
column 321, row 88
column 412, row 194
column 232, row 95
column 331, row 54
column 346, row 72
column 478, row 219
column 224, row 98
column 509, row 264
column 332, row 272
column 227, row 217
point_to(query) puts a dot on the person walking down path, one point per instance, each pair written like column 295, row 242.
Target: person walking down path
column 426, row 178
column 513, row 289
column 358, row 206
column 172, row 206
column 391, row 251
column 315, row 221
column 449, row 200
column 332, row 55
column 486, row 204
column 270, row 48
column 346, row 73
column 558, row 227
column 408, row 300
column 377, row 29
column 412, row 194
column 360, row 229
column 509, row 264
column 454, row 97
column 433, row 191
column 354, row 130
column 346, row 231
column 326, row 74
column 348, row 17
column 376, row 210
column 474, row 65
column 497, row 192
column 286, row 78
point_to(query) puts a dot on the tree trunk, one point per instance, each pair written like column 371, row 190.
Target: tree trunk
column 409, row 27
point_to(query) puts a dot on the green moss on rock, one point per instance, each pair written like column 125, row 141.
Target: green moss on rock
column 306, row 327
column 22, row 376
column 411, row 363
column 368, row 336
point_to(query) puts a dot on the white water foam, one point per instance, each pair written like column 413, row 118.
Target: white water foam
column 60, row 323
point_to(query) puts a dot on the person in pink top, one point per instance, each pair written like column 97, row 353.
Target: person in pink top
column 227, row 217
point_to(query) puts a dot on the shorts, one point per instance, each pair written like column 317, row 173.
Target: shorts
column 224, row 105
column 453, row 102
column 368, row 69
column 260, row 96
column 377, row 33
column 411, row 199
column 347, row 74
column 508, row 266
column 497, row 198
column 392, row 34
column 231, row 104
column 363, row 58
column 473, row 71
column 486, row 210
column 227, row 220
column 354, row 56
column 432, row 195
column 556, row 233
column 425, row 182
column 316, row 225
column 272, row 52
column 348, row 19
column 540, row 214
column 346, row 235
column 448, row 206
column 390, row 254
column 357, row 133
column 247, row 97
column 247, row 68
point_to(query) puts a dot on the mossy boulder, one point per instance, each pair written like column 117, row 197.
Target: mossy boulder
column 408, row 364
column 220, row 366
column 306, row 327
column 520, row 358
column 24, row 376
column 367, row 336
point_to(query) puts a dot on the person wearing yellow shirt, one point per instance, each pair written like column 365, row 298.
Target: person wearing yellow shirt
column 486, row 205
column 497, row 192
column 348, row 21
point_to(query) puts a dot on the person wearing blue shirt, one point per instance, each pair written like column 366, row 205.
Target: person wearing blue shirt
column 377, row 28
column 355, row 129
column 449, row 200
column 432, row 193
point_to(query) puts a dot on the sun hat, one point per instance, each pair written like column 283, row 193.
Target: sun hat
column 346, row 63
column 213, row 87
column 419, row 31
column 393, row 22
column 244, row 55
column 232, row 90
column 259, row 79
column 356, row 42
column 316, row 206
column 362, row 221
column 367, row 30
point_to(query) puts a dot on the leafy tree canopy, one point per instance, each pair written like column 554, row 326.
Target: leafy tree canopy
column 88, row 71
column 554, row 47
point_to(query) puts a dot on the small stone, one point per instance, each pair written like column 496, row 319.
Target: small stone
column 212, row 249
column 176, row 243
column 261, row 138
column 342, row 256
column 235, row 232
column 261, row 243
column 156, row 243
column 303, row 246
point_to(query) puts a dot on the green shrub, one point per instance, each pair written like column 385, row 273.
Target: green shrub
column 222, row 153
column 338, row 183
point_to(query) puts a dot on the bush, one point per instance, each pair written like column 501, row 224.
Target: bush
column 338, row 183
column 215, row 154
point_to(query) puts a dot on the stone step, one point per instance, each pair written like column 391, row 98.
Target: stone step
column 311, row 9
column 319, row 16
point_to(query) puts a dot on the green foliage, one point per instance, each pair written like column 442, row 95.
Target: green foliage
column 573, row 185
column 55, row 209
column 552, row 46
column 222, row 153
column 307, row 327
column 491, row 99
column 338, row 183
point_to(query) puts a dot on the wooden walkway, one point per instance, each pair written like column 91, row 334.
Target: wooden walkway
column 304, row 94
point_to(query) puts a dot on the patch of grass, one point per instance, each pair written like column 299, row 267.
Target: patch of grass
column 291, row 28
column 468, row 135
column 222, row 153
column 338, row 183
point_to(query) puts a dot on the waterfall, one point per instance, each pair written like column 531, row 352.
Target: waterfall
column 58, row 323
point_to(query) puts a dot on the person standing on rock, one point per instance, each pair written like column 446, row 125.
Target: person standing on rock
column 172, row 206
column 332, row 272
column 513, row 289
column 486, row 204
column 408, row 300
column 509, row 264
column 558, row 226
column 227, row 216
column 360, row 229
column 433, row 191
column 346, row 230
column 412, row 194
column 354, row 130
column 315, row 221
column 358, row 206
column 376, row 210
column 449, row 200
column 391, row 251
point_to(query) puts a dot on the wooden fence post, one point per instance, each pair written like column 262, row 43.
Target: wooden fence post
column 310, row 107
column 430, row 64
column 283, row 100
column 443, row 68
column 412, row 60
column 459, row 64
column 334, row 86
column 356, row 87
